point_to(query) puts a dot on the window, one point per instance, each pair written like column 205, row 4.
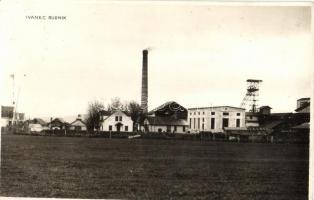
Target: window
column 202, row 126
column 199, row 123
column 225, row 122
column 203, row 113
column 238, row 123
column 183, row 128
column 159, row 130
column 225, row 113
column 203, row 119
column 199, row 113
column 175, row 128
column 126, row 128
column 213, row 113
column 212, row 123
column 190, row 122
column 238, row 114
column 120, row 118
column 194, row 123
column 251, row 117
column 117, row 118
column 194, row 113
column 110, row 128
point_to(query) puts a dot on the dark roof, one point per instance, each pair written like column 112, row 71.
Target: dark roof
column 306, row 104
column 265, row 107
column 38, row 121
column 169, row 104
column 166, row 121
column 307, row 98
column 305, row 125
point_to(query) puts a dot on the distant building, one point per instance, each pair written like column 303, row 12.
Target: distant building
column 58, row 124
column 252, row 119
column 170, row 117
column 303, row 105
column 78, row 124
column 215, row 119
column 265, row 110
column 7, row 116
column 117, row 121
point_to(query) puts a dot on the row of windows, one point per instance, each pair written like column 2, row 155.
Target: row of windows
column 225, row 123
column 213, row 113
column 126, row 128
column 118, row 118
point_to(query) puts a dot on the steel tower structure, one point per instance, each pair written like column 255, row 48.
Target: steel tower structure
column 251, row 97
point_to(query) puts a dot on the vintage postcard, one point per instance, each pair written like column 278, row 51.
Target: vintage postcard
column 156, row 99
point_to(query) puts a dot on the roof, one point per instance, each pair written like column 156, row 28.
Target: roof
column 307, row 98
column 305, row 125
column 215, row 107
column 39, row 121
column 166, row 121
column 306, row 104
column 170, row 104
column 78, row 122
column 265, row 107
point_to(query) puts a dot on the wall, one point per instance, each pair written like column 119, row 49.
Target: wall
column 206, row 115
column 154, row 128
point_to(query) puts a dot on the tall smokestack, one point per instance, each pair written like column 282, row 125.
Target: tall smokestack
column 144, row 98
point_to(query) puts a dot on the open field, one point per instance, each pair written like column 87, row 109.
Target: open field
column 36, row 166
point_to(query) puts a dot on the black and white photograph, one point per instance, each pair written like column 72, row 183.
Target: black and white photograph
column 156, row 99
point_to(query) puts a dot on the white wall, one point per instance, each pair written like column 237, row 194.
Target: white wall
column 206, row 115
column 111, row 120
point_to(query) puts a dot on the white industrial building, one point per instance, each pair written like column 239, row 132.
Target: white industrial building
column 215, row 119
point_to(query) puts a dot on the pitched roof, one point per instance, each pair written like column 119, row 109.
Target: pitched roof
column 168, row 104
column 166, row 121
column 265, row 107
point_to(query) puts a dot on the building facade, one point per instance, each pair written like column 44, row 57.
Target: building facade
column 169, row 117
column 78, row 124
column 215, row 119
column 117, row 121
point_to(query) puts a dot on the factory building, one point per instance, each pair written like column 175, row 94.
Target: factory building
column 170, row 117
column 215, row 119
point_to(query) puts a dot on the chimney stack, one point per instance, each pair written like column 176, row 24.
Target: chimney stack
column 144, row 98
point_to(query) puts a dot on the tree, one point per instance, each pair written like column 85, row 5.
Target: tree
column 115, row 104
column 93, row 115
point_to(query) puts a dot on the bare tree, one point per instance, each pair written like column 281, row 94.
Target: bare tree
column 115, row 104
column 93, row 115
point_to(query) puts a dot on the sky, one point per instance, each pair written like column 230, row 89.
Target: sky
column 200, row 54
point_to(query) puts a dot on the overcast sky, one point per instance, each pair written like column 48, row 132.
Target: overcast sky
column 201, row 54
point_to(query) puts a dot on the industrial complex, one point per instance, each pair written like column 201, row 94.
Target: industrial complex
column 246, row 122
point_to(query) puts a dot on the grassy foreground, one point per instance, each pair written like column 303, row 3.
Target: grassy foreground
column 36, row 166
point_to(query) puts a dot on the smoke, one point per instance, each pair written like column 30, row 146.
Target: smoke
column 149, row 49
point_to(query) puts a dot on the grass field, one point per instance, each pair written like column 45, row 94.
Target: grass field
column 151, row 169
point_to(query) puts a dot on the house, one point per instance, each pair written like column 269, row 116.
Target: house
column 303, row 105
column 215, row 119
column 117, row 121
column 58, row 124
column 6, row 116
column 170, row 117
column 9, row 117
column 35, row 125
column 78, row 124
